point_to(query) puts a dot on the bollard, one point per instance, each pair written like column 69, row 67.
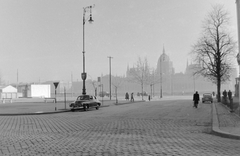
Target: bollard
column 224, row 100
column 231, row 105
column 228, row 102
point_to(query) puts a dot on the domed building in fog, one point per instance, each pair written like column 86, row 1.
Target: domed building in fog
column 164, row 73
column 164, row 64
column 167, row 82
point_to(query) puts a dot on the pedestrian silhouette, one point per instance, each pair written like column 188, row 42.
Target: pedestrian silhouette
column 225, row 94
column 196, row 99
column 127, row 96
column 229, row 95
column 132, row 99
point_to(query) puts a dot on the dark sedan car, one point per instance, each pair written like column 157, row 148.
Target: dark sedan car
column 85, row 101
column 207, row 97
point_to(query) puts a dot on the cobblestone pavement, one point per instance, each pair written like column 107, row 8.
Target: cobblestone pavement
column 148, row 128
column 228, row 122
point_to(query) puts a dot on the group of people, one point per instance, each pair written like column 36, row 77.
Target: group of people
column 127, row 97
column 227, row 94
column 196, row 97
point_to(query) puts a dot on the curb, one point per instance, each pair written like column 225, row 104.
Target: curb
column 36, row 113
column 129, row 102
column 215, row 126
column 40, row 113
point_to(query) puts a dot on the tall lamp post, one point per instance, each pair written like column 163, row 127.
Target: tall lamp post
column 238, row 56
column 160, row 77
column 84, row 74
column 110, row 76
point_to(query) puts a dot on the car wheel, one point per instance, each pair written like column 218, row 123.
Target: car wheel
column 98, row 105
column 211, row 101
column 72, row 110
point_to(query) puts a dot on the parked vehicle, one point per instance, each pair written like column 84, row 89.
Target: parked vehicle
column 142, row 94
column 85, row 101
column 207, row 97
column 104, row 93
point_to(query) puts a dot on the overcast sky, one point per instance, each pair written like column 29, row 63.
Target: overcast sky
column 42, row 39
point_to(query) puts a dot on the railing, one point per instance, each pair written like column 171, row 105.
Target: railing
column 52, row 99
column 6, row 99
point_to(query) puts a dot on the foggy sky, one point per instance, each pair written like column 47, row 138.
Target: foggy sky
column 42, row 39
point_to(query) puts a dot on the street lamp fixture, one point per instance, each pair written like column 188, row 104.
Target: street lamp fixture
column 84, row 74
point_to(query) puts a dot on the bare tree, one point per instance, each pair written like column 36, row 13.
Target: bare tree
column 94, row 84
column 116, row 82
column 215, row 48
column 152, row 80
column 141, row 73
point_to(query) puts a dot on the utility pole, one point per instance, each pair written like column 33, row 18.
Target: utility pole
column 17, row 76
column 17, row 83
column 110, row 83
column 72, row 83
column 160, row 78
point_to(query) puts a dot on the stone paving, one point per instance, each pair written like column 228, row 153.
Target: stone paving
column 37, row 105
column 148, row 128
column 228, row 122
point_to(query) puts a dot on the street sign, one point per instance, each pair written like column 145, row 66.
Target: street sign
column 56, row 84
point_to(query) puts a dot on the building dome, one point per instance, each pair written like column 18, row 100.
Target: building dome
column 164, row 64
column 164, row 57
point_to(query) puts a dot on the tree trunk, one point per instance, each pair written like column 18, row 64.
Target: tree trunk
column 219, row 90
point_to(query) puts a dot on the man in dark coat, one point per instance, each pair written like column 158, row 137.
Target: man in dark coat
column 127, row 96
column 196, row 99
column 229, row 95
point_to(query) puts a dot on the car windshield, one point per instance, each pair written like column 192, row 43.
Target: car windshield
column 207, row 94
column 84, row 97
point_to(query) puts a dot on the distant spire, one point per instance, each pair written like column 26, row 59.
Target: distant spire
column 163, row 49
column 163, row 55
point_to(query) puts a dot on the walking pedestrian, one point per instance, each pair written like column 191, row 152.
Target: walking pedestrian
column 196, row 99
column 225, row 94
column 132, row 98
column 229, row 95
column 127, row 96
column 149, row 97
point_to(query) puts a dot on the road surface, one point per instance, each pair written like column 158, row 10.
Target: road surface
column 171, row 127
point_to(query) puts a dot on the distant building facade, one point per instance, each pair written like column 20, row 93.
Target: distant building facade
column 165, row 79
column 183, row 83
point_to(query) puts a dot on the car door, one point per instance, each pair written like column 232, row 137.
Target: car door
column 94, row 100
column 78, row 101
